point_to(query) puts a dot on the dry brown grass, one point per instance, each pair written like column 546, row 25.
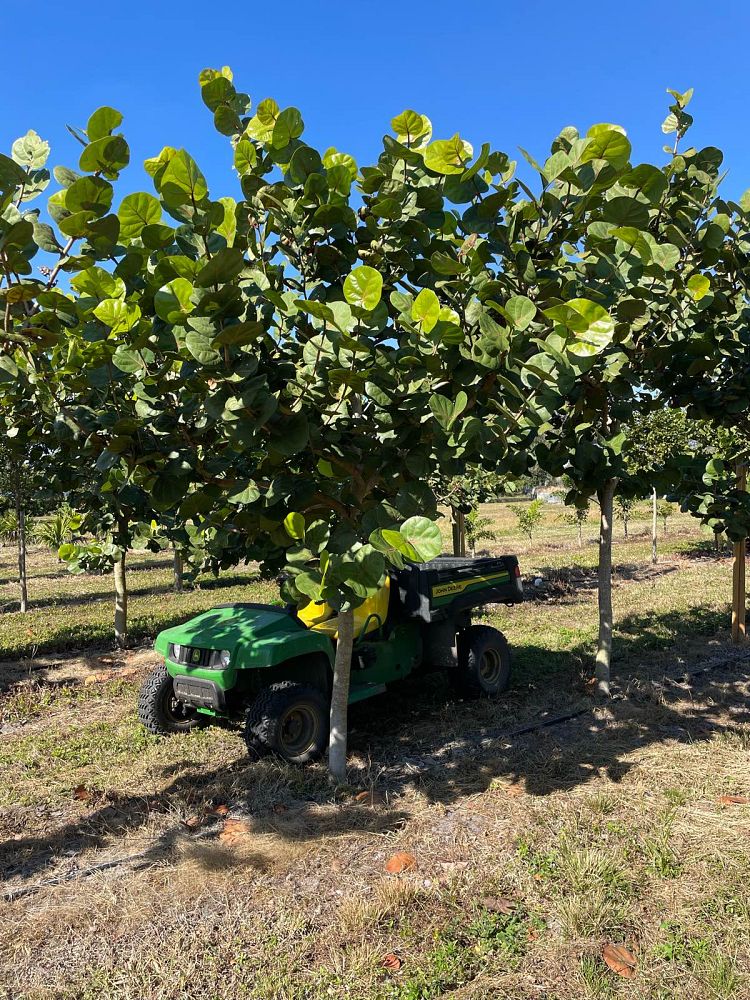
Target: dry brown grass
column 607, row 828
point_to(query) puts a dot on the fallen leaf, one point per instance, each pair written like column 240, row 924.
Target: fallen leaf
column 619, row 960
column 514, row 791
column 401, row 862
column 733, row 800
column 192, row 822
column 391, row 962
column 82, row 794
column 370, row 798
column 221, row 810
column 234, row 830
column 498, row 904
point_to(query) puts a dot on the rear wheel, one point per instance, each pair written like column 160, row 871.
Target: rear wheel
column 158, row 709
column 483, row 663
column 289, row 720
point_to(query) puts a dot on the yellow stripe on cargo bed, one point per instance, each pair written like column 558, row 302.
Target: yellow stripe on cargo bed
column 459, row 586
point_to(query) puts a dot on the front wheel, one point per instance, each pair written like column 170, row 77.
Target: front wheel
column 289, row 720
column 158, row 709
column 483, row 663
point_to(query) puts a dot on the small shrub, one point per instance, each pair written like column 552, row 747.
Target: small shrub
column 477, row 529
column 529, row 517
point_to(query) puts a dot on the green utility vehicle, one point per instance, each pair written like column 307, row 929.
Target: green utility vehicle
column 274, row 665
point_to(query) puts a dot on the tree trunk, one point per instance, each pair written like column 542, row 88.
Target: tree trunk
column 717, row 536
column 177, row 571
column 459, row 532
column 580, row 535
column 121, row 603
column 340, row 697
column 739, row 597
column 625, row 524
column 22, row 584
column 604, row 645
column 653, row 527
column 21, row 542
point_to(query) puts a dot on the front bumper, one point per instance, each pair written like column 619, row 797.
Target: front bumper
column 199, row 693
column 224, row 678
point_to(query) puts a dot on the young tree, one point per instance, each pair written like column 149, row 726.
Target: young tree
column 625, row 506
column 529, row 517
column 578, row 516
column 665, row 510
column 478, row 529
column 608, row 252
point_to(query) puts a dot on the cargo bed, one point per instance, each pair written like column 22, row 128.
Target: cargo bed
column 437, row 590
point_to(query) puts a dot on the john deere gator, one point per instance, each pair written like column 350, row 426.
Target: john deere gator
column 273, row 665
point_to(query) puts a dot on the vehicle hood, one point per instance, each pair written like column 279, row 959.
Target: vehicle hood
column 232, row 625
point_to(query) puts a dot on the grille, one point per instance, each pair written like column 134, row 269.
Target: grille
column 194, row 656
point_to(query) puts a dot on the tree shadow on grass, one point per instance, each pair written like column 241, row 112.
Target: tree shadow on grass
column 450, row 749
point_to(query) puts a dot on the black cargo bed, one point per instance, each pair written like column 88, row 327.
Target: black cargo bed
column 435, row 590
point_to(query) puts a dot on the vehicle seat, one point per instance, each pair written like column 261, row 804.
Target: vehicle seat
column 368, row 617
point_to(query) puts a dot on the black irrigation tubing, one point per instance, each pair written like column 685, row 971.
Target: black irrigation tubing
column 474, row 741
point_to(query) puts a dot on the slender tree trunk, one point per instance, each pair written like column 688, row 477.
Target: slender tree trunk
column 717, row 536
column 342, row 668
column 177, row 570
column 625, row 524
column 21, row 542
column 739, row 592
column 121, row 603
column 580, row 535
column 604, row 645
column 459, row 532
column 653, row 527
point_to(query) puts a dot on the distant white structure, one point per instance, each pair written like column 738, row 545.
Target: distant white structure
column 549, row 494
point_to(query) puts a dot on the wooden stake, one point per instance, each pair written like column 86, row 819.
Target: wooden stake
column 739, row 633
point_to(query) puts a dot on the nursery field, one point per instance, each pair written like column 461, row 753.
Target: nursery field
column 476, row 852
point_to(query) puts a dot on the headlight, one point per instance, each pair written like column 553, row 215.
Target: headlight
column 175, row 652
column 224, row 657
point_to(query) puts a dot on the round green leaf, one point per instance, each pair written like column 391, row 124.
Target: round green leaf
column 108, row 155
column 410, row 126
column 698, row 286
column 118, row 315
column 172, row 301
column 102, row 123
column 607, row 142
column 591, row 323
column 288, row 126
column 520, row 310
column 425, row 309
column 89, row 194
column 182, row 182
column 30, row 150
column 295, row 526
column 448, row 156
column 423, row 537
column 363, row 287
column 137, row 211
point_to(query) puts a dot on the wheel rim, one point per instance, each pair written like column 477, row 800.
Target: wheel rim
column 490, row 667
column 177, row 712
column 298, row 730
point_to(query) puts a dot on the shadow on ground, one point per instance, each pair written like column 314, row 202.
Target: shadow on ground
column 417, row 735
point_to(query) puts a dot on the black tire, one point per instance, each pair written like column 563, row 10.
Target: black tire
column 483, row 663
column 158, row 709
column 289, row 720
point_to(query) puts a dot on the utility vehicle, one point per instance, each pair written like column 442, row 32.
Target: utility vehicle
column 274, row 665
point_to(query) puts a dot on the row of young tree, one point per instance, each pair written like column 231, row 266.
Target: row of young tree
column 280, row 374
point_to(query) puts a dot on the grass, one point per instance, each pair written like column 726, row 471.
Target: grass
column 531, row 853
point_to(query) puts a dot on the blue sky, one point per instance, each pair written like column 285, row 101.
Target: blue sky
column 508, row 74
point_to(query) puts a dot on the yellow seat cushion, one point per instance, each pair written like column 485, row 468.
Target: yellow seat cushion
column 368, row 617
